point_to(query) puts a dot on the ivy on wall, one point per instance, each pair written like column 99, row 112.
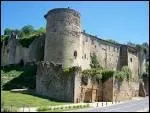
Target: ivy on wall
column 104, row 74
column 97, row 74
column 125, row 73
column 95, row 62
column 25, row 42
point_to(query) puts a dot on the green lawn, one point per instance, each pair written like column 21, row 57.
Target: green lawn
column 18, row 99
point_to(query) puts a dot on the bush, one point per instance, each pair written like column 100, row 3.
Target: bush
column 25, row 42
column 106, row 74
column 43, row 108
column 120, row 75
column 70, row 107
column 95, row 62
column 97, row 74
column 127, row 72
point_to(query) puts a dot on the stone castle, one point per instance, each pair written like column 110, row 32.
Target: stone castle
column 64, row 46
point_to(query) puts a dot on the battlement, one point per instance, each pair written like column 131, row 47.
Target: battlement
column 59, row 10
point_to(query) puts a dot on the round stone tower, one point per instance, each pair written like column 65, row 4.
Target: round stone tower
column 62, row 43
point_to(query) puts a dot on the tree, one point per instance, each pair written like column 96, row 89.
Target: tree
column 7, row 31
column 41, row 30
column 27, row 30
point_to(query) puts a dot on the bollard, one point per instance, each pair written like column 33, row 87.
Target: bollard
column 97, row 104
column 106, row 103
column 29, row 108
column 102, row 103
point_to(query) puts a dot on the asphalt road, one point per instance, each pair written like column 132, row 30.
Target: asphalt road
column 129, row 106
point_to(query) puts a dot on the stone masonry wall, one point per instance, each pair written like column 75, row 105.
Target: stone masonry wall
column 52, row 83
column 133, row 65
column 125, row 90
column 107, row 53
column 63, row 41
column 14, row 52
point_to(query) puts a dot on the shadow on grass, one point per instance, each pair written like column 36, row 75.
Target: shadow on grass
column 32, row 92
column 27, row 79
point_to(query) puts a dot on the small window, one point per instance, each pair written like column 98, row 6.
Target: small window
column 84, row 81
column 130, row 59
column 75, row 54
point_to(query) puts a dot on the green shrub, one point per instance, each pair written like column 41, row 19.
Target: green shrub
column 97, row 74
column 70, row 107
column 4, row 38
column 43, row 108
column 25, row 42
column 95, row 62
column 80, row 106
column 127, row 72
column 106, row 74
column 62, row 107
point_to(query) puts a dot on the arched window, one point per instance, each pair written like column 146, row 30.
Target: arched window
column 75, row 54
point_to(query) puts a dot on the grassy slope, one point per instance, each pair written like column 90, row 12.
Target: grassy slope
column 19, row 99
column 18, row 77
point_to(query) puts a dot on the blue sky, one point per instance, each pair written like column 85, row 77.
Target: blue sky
column 122, row 21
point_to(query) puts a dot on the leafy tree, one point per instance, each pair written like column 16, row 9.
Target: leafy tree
column 27, row 30
column 7, row 31
column 41, row 30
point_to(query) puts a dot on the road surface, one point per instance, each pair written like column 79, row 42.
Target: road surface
column 128, row 106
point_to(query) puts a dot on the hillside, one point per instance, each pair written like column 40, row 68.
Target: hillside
column 16, row 76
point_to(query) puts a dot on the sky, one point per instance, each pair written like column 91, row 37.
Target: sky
column 123, row 21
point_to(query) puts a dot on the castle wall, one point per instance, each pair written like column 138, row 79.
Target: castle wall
column 125, row 90
column 36, row 50
column 62, row 43
column 133, row 65
column 14, row 52
column 12, row 43
column 107, row 53
column 123, row 56
column 4, row 53
column 52, row 83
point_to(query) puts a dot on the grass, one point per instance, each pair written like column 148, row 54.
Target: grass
column 16, row 76
column 19, row 99
column 62, row 108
